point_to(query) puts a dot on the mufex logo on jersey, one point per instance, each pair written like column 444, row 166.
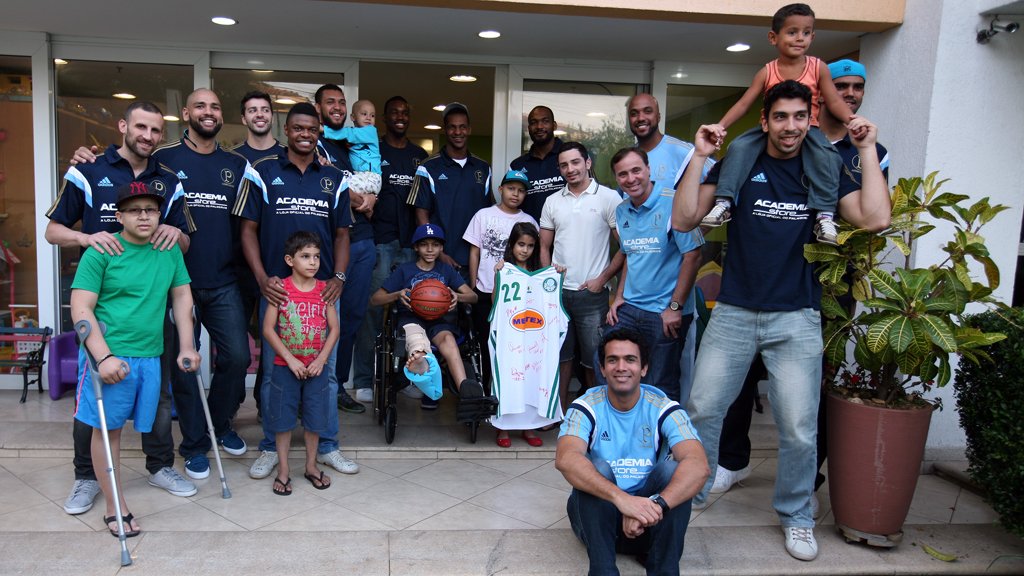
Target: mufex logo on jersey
column 527, row 320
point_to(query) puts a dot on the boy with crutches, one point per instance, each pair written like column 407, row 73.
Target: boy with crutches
column 128, row 293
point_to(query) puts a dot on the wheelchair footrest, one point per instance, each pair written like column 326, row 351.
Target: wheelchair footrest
column 476, row 409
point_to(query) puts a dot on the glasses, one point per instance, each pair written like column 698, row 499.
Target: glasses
column 135, row 212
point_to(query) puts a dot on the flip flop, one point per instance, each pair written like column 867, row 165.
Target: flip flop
column 314, row 479
column 286, row 487
column 127, row 521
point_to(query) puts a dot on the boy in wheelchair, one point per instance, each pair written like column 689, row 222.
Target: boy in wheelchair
column 428, row 242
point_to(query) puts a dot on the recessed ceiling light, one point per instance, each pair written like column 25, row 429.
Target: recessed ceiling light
column 489, row 34
column 285, row 101
column 596, row 114
column 171, row 118
column 254, row 62
column 432, row 127
column 223, row 21
column 59, row 61
column 439, row 107
column 124, row 96
column 258, row 71
column 680, row 75
column 462, row 78
column 738, row 47
column 559, row 132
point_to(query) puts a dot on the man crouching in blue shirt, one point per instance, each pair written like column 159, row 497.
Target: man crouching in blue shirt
column 634, row 461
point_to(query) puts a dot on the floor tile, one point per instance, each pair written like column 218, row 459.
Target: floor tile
column 525, row 500
column 468, row 516
column 548, row 475
column 457, row 478
column 45, row 517
column 188, row 517
column 397, row 466
column 16, row 494
column 397, row 503
column 512, row 467
column 256, row 506
column 326, row 518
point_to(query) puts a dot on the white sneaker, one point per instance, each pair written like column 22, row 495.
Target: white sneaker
column 815, row 506
column 725, row 478
column 263, row 465
column 337, row 461
column 364, row 395
column 83, row 493
column 826, row 232
column 412, row 392
column 718, row 215
column 171, row 480
column 800, row 542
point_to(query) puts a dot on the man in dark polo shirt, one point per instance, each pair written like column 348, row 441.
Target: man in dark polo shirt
column 214, row 179
column 297, row 193
column 541, row 161
column 451, row 186
column 88, row 195
column 393, row 223
column 355, row 299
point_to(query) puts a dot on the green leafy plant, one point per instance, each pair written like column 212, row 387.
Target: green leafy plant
column 990, row 400
column 907, row 322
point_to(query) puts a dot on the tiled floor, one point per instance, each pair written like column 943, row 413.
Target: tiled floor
column 431, row 480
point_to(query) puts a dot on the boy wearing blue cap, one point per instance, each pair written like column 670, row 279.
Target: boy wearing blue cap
column 792, row 33
column 428, row 242
column 487, row 235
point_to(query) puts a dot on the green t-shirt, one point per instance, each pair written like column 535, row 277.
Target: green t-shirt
column 132, row 289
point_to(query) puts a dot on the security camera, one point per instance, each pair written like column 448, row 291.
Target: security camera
column 1009, row 27
column 995, row 27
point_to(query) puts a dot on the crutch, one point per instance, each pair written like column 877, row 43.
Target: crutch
column 224, row 491
column 83, row 329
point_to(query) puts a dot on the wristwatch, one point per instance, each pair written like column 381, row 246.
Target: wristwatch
column 674, row 306
column 340, row 276
column 657, row 499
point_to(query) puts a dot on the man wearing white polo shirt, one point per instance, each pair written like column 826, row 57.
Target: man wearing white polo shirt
column 575, row 226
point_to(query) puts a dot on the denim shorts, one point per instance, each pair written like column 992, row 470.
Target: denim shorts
column 587, row 311
column 281, row 410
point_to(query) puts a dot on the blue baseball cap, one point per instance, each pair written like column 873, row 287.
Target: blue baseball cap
column 424, row 231
column 516, row 176
column 847, row 68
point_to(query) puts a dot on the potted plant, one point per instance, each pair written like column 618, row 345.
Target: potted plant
column 904, row 325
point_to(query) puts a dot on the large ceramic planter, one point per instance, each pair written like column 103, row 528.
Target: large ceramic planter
column 874, row 460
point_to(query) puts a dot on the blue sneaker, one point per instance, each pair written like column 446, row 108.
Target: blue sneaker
column 232, row 443
column 197, row 467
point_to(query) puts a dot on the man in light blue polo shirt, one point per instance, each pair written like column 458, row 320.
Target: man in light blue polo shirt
column 655, row 293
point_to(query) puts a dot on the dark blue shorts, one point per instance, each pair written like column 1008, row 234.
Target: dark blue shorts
column 432, row 327
column 281, row 402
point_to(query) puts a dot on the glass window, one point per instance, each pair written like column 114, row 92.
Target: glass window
column 90, row 99
column 19, row 299
column 285, row 89
column 593, row 113
column 690, row 106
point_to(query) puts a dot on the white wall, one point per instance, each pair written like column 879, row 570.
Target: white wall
column 944, row 102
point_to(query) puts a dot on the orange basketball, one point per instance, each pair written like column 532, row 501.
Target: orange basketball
column 430, row 299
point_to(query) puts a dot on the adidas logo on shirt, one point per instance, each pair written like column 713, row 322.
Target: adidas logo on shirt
column 442, row 177
column 277, row 182
column 760, row 178
column 605, row 436
column 106, row 183
column 181, row 175
column 384, row 163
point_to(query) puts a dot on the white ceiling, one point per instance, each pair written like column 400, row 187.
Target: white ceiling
column 330, row 27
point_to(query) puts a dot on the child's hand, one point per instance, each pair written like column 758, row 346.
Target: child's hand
column 314, row 368
column 113, row 370
column 193, row 360
column 708, row 139
column 559, row 268
column 455, row 300
column 297, row 368
column 499, row 265
column 403, row 297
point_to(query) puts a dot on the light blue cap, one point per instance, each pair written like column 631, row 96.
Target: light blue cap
column 516, row 176
column 847, row 68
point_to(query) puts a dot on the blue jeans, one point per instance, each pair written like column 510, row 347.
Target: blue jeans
column 329, row 439
column 790, row 345
column 686, row 361
column 598, row 524
column 389, row 255
column 665, row 352
column 587, row 311
column 355, row 299
column 220, row 311
column 821, row 163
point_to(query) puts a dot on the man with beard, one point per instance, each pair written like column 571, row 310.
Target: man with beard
column 392, row 230
column 88, row 194
column 541, row 161
column 331, row 104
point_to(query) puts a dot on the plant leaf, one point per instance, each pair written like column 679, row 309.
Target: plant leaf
column 901, row 334
column 878, row 333
column 940, row 332
column 886, row 284
column 819, row 252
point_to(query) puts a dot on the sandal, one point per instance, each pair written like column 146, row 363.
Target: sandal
column 532, row 440
column 286, row 487
column 320, row 482
column 127, row 521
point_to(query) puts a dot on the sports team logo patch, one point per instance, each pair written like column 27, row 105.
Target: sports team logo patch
column 327, row 184
column 158, row 186
column 527, row 320
column 550, row 285
column 227, row 177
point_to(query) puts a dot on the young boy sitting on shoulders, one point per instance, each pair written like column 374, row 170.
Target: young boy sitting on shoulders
column 128, row 293
column 428, row 242
column 302, row 333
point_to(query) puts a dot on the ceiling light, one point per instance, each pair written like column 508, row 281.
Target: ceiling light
column 124, row 96
column 559, row 132
column 171, row 118
column 59, row 61
column 285, row 101
column 432, row 127
column 596, row 114
column 258, row 71
column 738, row 47
column 439, row 107
column 462, row 78
column 254, row 62
column 680, row 75
column 489, row 34
column 223, row 21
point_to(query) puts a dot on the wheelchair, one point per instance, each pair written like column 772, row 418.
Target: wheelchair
column 389, row 378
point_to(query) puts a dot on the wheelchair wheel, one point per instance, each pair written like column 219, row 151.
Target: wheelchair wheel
column 390, row 423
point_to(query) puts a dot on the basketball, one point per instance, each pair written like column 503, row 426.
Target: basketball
column 430, row 299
